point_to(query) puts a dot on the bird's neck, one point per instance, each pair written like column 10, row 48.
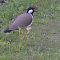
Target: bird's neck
column 30, row 13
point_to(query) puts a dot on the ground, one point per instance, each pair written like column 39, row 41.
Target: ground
column 42, row 42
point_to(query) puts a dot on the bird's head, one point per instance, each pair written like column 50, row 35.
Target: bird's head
column 31, row 10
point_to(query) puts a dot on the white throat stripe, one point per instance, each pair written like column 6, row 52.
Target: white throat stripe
column 30, row 11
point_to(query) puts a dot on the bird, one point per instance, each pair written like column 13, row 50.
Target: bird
column 2, row 1
column 22, row 21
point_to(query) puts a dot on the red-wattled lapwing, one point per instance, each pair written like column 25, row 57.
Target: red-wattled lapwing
column 2, row 1
column 22, row 21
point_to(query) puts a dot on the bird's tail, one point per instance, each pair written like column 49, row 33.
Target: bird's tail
column 3, row 1
column 7, row 31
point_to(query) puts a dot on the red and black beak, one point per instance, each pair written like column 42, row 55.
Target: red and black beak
column 35, row 10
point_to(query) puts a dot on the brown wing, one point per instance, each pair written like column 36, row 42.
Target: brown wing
column 2, row 1
column 21, row 21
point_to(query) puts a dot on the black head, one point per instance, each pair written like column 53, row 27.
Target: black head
column 31, row 10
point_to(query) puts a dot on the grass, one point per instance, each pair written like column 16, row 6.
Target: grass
column 43, row 41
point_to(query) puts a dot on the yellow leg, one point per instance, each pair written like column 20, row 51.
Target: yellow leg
column 28, row 29
column 25, row 32
column 21, row 31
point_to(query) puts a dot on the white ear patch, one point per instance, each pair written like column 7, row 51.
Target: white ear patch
column 30, row 11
